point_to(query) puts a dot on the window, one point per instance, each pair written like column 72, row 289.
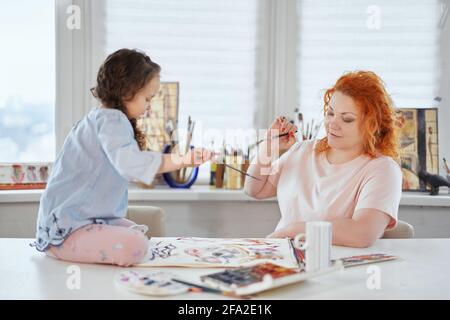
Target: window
column 27, row 81
column 239, row 63
column 210, row 47
column 398, row 40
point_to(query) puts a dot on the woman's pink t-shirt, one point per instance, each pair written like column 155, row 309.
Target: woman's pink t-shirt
column 310, row 188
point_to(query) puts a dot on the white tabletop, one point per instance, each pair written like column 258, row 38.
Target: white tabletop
column 422, row 272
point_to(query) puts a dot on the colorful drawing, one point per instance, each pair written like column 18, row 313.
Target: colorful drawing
column 43, row 173
column 418, row 145
column 226, row 253
column 31, row 173
column 219, row 252
column 23, row 176
column 18, row 175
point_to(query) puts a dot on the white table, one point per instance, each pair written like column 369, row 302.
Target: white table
column 421, row 273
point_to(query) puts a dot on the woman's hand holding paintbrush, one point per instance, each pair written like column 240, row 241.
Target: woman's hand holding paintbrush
column 286, row 140
column 290, row 133
column 283, row 133
column 286, row 133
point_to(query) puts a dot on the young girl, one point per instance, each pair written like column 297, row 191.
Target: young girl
column 81, row 213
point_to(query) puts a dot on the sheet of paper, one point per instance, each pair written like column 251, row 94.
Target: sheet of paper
column 218, row 252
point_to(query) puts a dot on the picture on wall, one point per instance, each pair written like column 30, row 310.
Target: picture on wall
column 418, row 136
column 163, row 112
column 162, row 119
column 19, row 176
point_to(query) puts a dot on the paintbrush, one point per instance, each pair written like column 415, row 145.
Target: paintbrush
column 446, row 166
column 311, row 132
column 190, row 131
column 233, row 168
column 298, row 254
column 201, row 288
column 300, row 125
column 274, row 137
column 248, row 175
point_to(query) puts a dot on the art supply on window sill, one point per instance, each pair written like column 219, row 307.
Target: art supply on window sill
column 312, row 130
column 220, row 170
column 245, row 167
column 232, row 174
column 173, row 179
column 190, row 132
column 225, row 177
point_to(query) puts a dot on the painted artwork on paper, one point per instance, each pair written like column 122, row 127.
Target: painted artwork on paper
column 18, row 176
column 162, row 115
column 418, row 137
column 164, row 110
column 219, row 252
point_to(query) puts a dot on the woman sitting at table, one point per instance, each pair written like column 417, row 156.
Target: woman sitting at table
column 350, row 177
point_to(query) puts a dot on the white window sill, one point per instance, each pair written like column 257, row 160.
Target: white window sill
column 205, row 193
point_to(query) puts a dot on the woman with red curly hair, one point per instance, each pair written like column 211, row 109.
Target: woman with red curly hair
column 350, row 178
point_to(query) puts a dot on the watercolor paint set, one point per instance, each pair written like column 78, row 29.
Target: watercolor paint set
column 261, row 277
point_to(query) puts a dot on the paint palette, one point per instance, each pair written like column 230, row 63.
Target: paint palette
column 249, row 275
column 261, row 277
column 154, row 284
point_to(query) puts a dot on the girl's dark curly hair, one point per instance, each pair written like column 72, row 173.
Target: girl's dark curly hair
column 120, row 77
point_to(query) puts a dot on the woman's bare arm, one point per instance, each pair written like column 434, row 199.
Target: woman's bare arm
column 262, row 188
column 361, row 231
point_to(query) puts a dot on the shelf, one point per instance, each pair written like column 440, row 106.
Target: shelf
column 205, row 193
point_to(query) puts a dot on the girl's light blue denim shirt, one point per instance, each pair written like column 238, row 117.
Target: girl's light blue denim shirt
column 90, row 176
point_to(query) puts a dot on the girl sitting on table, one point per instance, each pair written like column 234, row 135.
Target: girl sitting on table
column 82, row 210
column 351, row 177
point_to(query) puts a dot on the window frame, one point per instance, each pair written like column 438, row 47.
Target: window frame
column 75, row 60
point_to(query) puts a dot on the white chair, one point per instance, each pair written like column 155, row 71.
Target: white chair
column 402, row 230
column 153, row 217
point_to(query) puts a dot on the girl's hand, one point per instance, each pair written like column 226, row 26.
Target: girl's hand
column 196, row 157
column 279, row 126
